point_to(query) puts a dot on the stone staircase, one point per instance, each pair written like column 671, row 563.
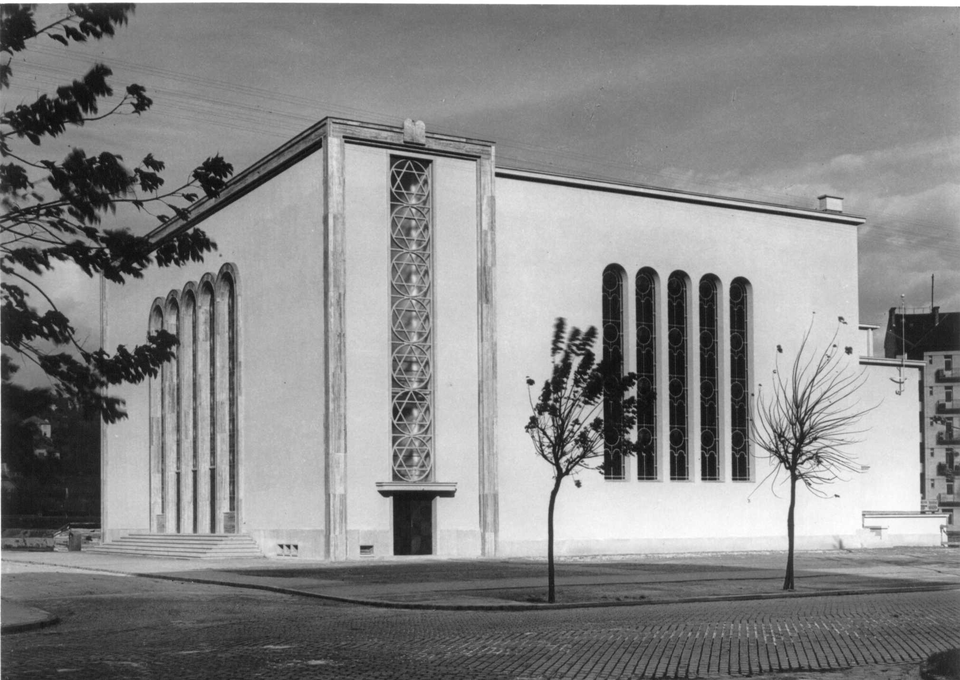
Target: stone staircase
column 182, row 546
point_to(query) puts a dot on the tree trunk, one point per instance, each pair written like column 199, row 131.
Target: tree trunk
column 551, row 576
column 788, row 577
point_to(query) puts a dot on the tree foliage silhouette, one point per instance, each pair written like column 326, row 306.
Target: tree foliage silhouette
column 54, row 210
column 566, row 427
column 807, row 423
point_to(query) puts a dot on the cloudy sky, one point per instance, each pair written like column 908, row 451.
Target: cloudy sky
column 773, row 104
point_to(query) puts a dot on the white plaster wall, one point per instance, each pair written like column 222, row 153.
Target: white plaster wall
column 457, row 355
column 275, row 237
column 368, row 348
column 369, row 515
column 890, row 443
column 553, row 243
column 887, row 530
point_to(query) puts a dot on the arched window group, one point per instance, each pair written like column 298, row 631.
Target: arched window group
column 194, row 437
column 669, row 348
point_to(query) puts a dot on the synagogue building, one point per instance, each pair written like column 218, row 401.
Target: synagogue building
column 351, row 374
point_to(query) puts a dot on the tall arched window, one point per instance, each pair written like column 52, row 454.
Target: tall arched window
column 188, row 406
column 206, row 383
column 739, row 379
column 157, row 431
column 613, row 338
column 646, row 302
column 194, row 409
column 677, row 374
column 709, row 380
column 171, row 419
column 411, row 328
column 225, row 345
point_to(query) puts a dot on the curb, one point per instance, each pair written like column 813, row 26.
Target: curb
column 46, row 619
column 523, row 606
column 518, row 606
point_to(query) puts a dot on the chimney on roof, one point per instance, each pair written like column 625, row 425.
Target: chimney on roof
column 830, row 203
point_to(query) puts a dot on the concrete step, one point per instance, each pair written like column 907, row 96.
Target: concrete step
column 182, row 546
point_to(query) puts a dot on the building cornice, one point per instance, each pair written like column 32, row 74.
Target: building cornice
column 308, row 142
column 678, row 195
column 350, row 131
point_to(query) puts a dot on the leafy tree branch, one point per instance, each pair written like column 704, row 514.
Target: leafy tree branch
column 566, row 425
column 38, row 233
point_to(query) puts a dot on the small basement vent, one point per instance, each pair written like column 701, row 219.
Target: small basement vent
column 288, row 549
column 366, row 550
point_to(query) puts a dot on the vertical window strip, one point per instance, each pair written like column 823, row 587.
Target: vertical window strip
column 411, row 332
column 612, row 316
column 185, row 402
column 195, row 412
column 157, row 444
column 677, row 372
column 164, row 444
column 232, row 393
column 194, row 383
column 178, row 425
column 739, row 381
column 171, row 423
column 212, row 405
column 646, row 296
column 709, row 456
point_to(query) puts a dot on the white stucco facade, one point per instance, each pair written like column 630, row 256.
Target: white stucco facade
column 311, row 234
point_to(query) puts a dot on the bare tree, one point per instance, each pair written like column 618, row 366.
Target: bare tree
column 806, row 424
column 566, row 427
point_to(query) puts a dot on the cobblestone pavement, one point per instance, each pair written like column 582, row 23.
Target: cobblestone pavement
column 121, row 627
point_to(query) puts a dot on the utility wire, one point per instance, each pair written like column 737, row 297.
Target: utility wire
column 225, row 112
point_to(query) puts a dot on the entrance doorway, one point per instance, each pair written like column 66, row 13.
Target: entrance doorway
column 412, row 525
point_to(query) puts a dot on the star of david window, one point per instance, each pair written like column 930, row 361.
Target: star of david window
column 411, row 320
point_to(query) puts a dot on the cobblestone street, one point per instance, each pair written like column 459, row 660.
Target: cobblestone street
column 123, row 627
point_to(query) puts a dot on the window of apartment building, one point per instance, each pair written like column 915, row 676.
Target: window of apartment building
column 948, row 362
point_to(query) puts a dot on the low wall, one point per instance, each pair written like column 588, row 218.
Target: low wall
column 888, row 529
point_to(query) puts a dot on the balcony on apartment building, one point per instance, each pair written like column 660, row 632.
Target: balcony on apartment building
column 948, row 438
column 944, row 407
column 948, row 375
column 943, row 470
column 948, row 500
